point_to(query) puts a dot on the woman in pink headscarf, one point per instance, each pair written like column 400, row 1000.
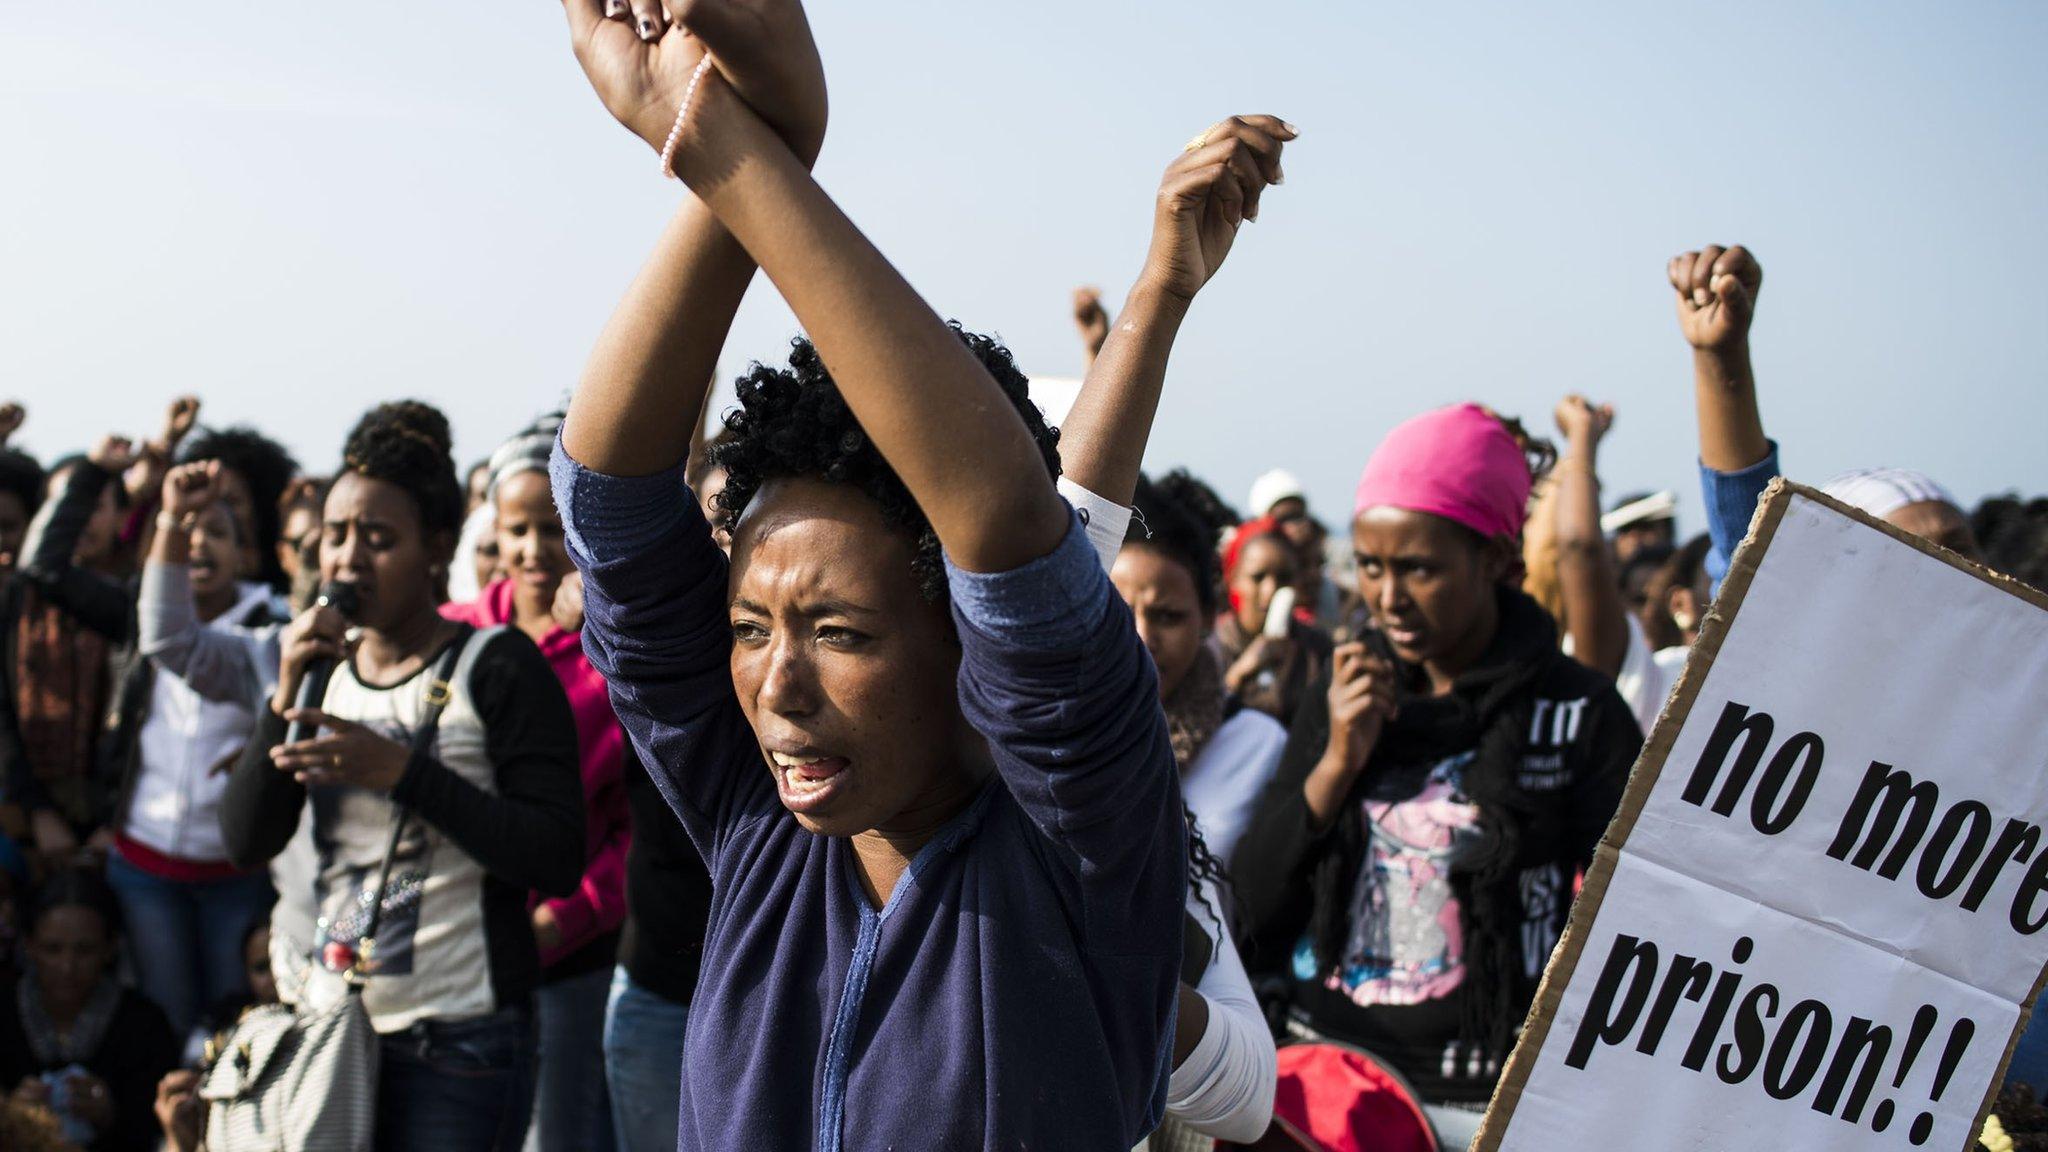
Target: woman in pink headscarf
column 1415, row 856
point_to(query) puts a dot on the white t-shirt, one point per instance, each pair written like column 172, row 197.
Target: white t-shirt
column 1225, row 1087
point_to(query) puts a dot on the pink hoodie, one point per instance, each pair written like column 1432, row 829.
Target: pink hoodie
column 599, row 905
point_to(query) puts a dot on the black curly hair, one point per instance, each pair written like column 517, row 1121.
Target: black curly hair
column 22, row 476
column 793, row 422
column 2014, row 535
column 1184, row 519
column 408, row 443
column 1538, row 453
column 265, row 466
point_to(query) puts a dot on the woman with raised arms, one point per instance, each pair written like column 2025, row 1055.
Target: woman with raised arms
column 909, row 725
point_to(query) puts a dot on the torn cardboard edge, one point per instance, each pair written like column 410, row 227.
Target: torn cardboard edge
column 1564, row 960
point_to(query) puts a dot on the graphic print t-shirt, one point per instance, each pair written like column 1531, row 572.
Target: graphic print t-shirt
column 1403, row 959
column 431, row 957
column 1403, row 944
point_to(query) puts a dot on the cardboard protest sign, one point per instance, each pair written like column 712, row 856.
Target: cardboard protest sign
column 1819, row 915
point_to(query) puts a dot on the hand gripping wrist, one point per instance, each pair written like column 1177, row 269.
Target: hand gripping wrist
column 675, row 132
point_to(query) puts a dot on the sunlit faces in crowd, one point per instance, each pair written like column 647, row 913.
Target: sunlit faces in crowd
column 373, row 537
column 216, row 559
column 1431, row 586
column 1264, row 566
column 846, row 672
column 1165, row 603
column 530, row 546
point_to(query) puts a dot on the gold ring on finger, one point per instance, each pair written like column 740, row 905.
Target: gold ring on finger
column 1197, row 144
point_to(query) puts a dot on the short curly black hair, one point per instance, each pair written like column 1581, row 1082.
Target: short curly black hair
column 1185, row 520
column 409, row 444
column 266, row 467
column 793, row 422
column 2014, row 536
column 22, row 476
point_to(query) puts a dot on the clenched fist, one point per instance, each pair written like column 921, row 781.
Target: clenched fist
column 1717, row 290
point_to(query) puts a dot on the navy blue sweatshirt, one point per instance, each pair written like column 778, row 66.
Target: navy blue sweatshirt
column 1018, row 990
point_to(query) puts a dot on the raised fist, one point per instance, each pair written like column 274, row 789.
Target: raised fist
column 1581, row 421
column 641, row 66
column 192, row 488
column 1717, row 290
column 1091, row 318
column 115, row 454
column 179, row 420
column 1211, row 188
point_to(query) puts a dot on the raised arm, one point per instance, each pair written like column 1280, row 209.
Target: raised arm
column 1091, row 320
column 638, row 405
column 1595, row 616
column 98, row 602
column 930, row 407
column 217, row 663
column 1717, row 290
column 1335, row 732
column 153, row 462
column 654, row 583
column 1208, row 192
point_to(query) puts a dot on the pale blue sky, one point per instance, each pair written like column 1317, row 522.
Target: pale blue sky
column 296, row 213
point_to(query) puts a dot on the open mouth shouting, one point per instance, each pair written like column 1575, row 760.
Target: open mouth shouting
column 808, row 779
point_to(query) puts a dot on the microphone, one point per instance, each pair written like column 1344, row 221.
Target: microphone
column 313, row 683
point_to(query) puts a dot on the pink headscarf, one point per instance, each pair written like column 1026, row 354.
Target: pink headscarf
column 1456, row 462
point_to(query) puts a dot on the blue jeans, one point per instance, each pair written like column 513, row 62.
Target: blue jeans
column 187, row 938
column 572, row 1111
column 643, row 1059
column 457, row 1085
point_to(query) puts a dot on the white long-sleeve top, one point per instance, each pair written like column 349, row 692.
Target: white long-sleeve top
column 1225, row 1088
column 222, row 660
column 228, row 663
column 189, row 737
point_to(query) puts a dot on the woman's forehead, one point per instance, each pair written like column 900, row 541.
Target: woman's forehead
column 356, row 495
column 1146, row 569
column 1264, row 551
column 810, row 539
column 526, row 491
column 1387, row 530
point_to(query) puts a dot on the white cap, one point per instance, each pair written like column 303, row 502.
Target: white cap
column 1883, row 491
column 1272, row 488
column 1648, row 510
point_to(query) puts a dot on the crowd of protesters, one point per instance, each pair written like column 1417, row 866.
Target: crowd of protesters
column 885, row 768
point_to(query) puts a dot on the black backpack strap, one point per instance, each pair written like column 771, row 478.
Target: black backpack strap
column 440, row 691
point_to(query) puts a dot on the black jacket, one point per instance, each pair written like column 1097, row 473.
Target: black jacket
column 1573, row 745
column 104, row 605
column 97, row 602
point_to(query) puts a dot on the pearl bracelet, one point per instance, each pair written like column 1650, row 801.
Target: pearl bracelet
column 675, row 134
